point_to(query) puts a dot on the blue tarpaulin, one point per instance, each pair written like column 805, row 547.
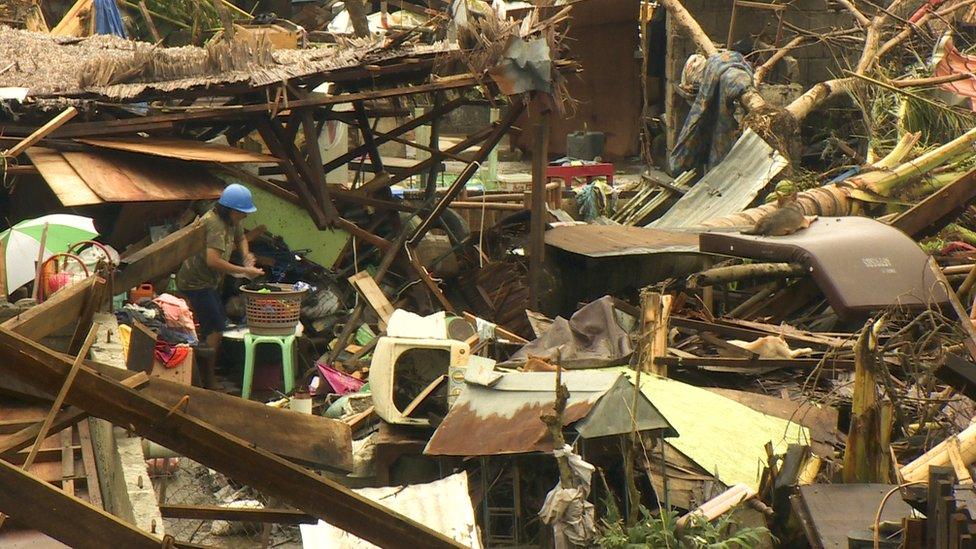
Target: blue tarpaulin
column 108, row 20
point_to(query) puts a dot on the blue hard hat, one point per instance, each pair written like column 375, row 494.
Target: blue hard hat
column 237, row 197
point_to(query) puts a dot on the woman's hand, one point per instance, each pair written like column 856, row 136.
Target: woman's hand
column 251, row 272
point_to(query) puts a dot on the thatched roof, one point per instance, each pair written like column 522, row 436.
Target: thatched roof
column 118, row 69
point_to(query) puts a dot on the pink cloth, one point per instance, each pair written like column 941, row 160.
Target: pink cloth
column 341, row 383
column 177, row 313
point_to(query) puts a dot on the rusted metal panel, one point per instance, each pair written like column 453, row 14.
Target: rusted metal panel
column 831, row 511
column 504, row 418
column 617, row 240
column 729, row 187
column 122, row 177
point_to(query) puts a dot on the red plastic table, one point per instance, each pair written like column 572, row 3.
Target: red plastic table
column 589, row 171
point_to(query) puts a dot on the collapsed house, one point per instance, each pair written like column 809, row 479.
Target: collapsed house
column 484, row 352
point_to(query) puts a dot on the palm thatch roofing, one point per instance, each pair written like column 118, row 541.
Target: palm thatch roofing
column 108, row 67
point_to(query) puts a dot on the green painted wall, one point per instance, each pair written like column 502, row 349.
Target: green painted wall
column 293, row 223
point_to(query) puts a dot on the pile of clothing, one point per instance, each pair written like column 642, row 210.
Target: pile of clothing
column 170, row 318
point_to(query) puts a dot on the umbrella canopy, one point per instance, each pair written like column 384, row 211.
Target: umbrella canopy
column 22, row 242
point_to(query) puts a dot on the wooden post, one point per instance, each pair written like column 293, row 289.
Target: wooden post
column 537, row 244
column 150, row 24
column 654, row 332
column 3, row 271
column 40, row 264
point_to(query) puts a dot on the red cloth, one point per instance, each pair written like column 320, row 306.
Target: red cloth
column 341, row 383
column 170, row 356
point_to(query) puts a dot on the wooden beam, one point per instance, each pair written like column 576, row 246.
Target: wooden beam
column 166, row 121
column 150, row 24
column 64, row 419
column 321, row 190
column 400, row 130
column 370, row 291
column 317, row 495
column 937, row 210
column 41, row 133
column 59, row 399
column 96, row 298
column 214, row 512
column 68, row 519
column 54, row 314
column 537, row 222
column 656, row 311
column 366, row 131
column 383, row 181
column 462, row 179
column 319, row 212
column 759, row 363
column 159, row 258
column 70, row 24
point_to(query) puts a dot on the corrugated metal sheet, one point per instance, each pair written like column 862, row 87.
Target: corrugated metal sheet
column 84, row 178
column 729, row 187
column 954, row 62
column 505, row 418
column 443, row 505
column 617, row 240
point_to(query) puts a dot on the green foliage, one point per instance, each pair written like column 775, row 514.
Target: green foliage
column 661, row 531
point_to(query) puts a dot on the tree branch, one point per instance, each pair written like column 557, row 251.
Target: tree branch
column 861, row 18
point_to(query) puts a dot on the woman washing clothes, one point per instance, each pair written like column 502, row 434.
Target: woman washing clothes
column 200, row 276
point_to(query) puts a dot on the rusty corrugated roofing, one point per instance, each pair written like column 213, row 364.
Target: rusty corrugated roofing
column 505, row 418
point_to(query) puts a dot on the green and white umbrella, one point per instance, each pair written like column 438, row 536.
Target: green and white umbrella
column 22, row 242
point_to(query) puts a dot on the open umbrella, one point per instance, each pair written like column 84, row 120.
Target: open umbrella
column 22, row 242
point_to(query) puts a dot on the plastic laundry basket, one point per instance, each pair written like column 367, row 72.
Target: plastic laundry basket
column 273, row 313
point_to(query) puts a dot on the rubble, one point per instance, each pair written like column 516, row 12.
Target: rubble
column 758, row 331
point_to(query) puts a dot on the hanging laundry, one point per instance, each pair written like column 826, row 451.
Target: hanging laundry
column 711, row 129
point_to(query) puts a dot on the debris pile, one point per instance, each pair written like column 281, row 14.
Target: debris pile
column 292, row 258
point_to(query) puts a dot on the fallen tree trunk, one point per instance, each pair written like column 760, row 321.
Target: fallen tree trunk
column 732, row 273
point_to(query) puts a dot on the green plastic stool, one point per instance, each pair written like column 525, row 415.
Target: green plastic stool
column 287, row 344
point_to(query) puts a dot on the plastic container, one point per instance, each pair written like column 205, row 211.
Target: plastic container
column 585, row 145
column 141, row 292
column 273, row 313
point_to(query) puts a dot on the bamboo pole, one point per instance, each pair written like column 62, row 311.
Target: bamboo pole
column 918, row 470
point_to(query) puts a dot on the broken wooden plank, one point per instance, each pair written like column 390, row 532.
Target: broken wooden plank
column 215, row 512
column 54, row 314
column 159, row 258
column 71, row 23
column 422, row 396
column 67, row 462
column 68, row 519
column 64, row 419
column 371, row 292
column 937, row 210
column 62, row 393
column 759, row 363
column 63, row 179
column 91, row 470
column 41, row 133
column 317, row 495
